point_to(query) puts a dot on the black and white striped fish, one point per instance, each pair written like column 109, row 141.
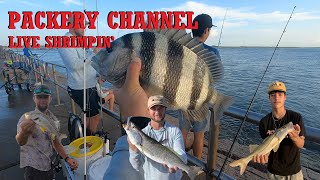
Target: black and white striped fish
column 174, row 65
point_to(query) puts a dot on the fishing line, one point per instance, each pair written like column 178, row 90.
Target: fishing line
column 99, row 79
column 245, row 117
column 84, row 102
column 222, row 27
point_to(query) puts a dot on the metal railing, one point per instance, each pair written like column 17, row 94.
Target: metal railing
column 312, row 134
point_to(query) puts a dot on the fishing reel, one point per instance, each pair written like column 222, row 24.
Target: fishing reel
column 56, row 163
column 74, row 127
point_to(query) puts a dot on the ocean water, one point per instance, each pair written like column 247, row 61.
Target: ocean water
column 298, row 68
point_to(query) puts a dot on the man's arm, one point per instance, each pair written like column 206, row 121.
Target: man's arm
column 179, row 148
column 25, row 129
column 135, row 157
column 178, row 145
column 60, row 150
column 73, row 59
column 296, row 138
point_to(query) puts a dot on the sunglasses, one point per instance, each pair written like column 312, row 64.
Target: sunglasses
column 42, row 96
column 46, row 91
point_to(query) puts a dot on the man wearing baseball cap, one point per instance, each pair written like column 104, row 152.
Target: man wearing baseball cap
column 285, row 163
column 198, row 126
column 36, row 144
column 80, row 83
column 161, row 131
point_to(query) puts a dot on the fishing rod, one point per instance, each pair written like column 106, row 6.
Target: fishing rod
column 222, row 27
column 84, row 103
column 255, row 93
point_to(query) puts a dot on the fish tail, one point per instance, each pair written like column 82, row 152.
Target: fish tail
column 62, row 136
column 242, row 163
column 193, row 172
column 221, row 103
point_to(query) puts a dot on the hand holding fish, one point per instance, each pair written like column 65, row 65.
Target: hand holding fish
column 171, row 170
column 27, row 126
column 262, row 159
column 72, row 163
column 295, row 134
column 131, row 98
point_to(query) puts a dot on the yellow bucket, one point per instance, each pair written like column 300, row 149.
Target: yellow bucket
column 94, row 144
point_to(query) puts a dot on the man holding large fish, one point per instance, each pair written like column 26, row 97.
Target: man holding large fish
column 151, row 151
column 283, row 133
column 37, row 134
column 285, row 163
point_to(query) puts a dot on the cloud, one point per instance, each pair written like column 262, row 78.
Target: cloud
column 75, row 2
column 239, row 16
column 30, row 3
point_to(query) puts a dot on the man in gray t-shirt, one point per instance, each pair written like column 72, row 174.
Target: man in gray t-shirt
column 36, row 144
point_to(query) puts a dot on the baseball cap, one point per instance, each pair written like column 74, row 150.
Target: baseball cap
column 42, row 90
column 204, row 21
column 156, row 100
column 277, row 86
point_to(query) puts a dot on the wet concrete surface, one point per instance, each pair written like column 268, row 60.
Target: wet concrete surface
column 12, row 107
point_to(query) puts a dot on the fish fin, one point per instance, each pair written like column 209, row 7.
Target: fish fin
column 193, row 172
column 182, row 37
column 221, row 103
column 159, row 29
column 253, row 147
column 275, row 149
column 242, row 163
column 163, row 141
column 196, row 115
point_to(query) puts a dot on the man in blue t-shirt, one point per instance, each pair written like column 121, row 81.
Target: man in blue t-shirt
column 199, row 126
column 27, row 52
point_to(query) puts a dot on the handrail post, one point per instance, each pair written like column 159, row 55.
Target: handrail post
column 46, row 71
column 213, row 145
column 40, row 71
column 55, row 83
column 33, row 65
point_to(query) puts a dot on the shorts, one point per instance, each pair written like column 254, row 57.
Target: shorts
column 298, row 176
column 31, row 173
column 194, row 126
column 92, row 107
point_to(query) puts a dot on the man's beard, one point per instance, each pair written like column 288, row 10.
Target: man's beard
column 42, row 108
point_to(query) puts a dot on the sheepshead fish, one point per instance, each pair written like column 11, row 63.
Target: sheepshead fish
column 174, row 65
column 156, row 151
column 272, row 142
column 46, row 124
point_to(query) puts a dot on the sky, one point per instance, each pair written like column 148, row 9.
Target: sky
column 247, row 22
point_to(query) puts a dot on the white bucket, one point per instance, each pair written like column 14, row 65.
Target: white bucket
column 98, row 168
column 94, row 151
